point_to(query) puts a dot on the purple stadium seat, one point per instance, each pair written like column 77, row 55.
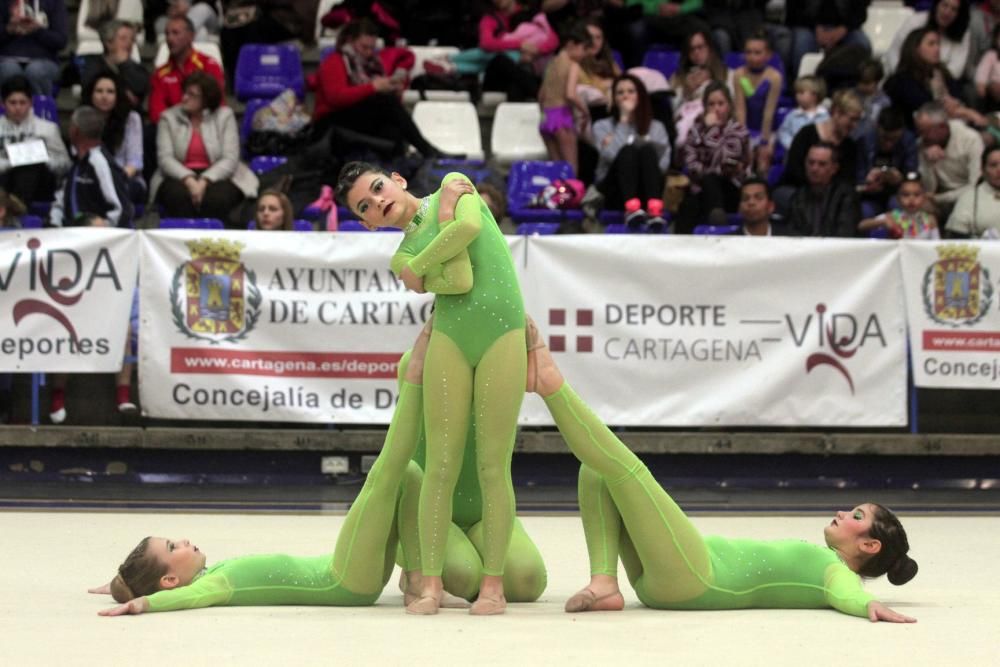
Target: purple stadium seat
column 350, row 226
column 303, row 226
column 717, row 230
column 526, row 179
column 31, row 222
column 664, row 61
column 774, row 175
column 542, row 228
column 265, row 163
column 247, row 125
column 617, row 55
column 266, row 70
column 191, row 223
column 45, row 107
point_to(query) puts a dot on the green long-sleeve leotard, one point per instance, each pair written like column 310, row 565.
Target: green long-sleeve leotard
column 365, row 552
column 627, row 514
column 475, row 363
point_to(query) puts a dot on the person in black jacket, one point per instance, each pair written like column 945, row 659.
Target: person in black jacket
column 825, row 206
column 803, row 16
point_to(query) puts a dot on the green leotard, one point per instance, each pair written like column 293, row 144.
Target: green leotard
column 627, row 514
column 363, row 557
column 475, row 364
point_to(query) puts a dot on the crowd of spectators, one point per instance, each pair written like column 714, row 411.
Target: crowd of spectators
column 899, row 144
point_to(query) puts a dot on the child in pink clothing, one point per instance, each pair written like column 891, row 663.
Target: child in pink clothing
column 557, row 97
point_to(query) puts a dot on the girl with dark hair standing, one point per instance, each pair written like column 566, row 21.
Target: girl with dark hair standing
column 634, row 154
column 122, row 128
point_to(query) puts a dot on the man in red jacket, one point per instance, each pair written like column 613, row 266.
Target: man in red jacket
column 165, row 89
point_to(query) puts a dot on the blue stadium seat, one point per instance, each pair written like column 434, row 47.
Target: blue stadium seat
column 266, row 70
column 617, row 55
column 542, row 228
column 191, row 223
column 619, row 228
column 247, row 125
column 526, row 179
column 774, row 175
column 350, row 226
column 45, row 107
column 297, row 225
column 717, row 230
column 32, row 222
column 265, row 163
column 664, row 61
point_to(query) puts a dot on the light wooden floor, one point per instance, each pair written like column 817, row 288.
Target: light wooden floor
column 47, row 618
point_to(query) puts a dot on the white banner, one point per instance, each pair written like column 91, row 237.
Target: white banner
column 65, row 299
column 274, row 326
column 714, row 331
column 953, row 312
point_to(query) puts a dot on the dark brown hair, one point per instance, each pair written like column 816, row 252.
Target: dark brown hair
column 716, row 67
column 211, row 95
column 910, row 62
column 139, row 575
column 892, row 558
column 350, row 173
column 643, row 107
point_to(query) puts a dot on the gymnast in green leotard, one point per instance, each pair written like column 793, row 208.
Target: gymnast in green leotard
column 475, row 360
column 524, row 576
column 165, row 575
column 627, row 515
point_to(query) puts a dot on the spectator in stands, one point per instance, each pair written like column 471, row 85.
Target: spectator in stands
column 842, row 57
column 198, row 147
column 977, row 211
column 122, row 129
column 597, row 72
column 123, row 378
column 886, row 152
column 873, row 98
column 518, row 77
column 564, row 115
column 101, row 12
column 118, row 38
column 28, row 180
column 11, row 210
column 267, row 22
column 825, row 205
column 661, row 23
column 810, row 91
column 95, row 187
column 982, row 20
column 634, row 155
column 358, row 89
column 274, row 212
column 921, row 78
column 757, row 87
column 950, row 20
column 201, row 13
column 845, row 114
column 987, row 78
column 700, row 65
column 34, row 34
column 950, row 153
column 717, row 158
column 804, row 15
column 733, row 22
column 756, row 209
column 495, row 200
column 910, row 220
column 165, row 88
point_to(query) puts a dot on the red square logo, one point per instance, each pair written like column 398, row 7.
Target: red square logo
column 557, row 317
column 557, row 343
column 584, row 344
column 584, row 317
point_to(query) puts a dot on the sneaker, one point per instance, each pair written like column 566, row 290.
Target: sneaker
column 635, row 217
column 439, row 66
column 128, row 408
column 592, row 202
column 57, row 406
column 124, row 399
column 656, row 222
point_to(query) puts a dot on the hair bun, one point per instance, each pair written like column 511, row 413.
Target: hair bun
column 904, row 569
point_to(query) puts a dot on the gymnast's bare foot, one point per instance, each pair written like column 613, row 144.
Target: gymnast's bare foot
column 602, row 594
column 544, row 377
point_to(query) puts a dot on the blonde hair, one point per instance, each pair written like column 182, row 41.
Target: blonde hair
column 847, row 101
column 812, row 84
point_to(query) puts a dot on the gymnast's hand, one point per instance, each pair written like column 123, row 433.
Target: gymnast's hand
column 450, row 193
column 133, row 606
column 101, row 590
column 412, row 281
column 879, row 612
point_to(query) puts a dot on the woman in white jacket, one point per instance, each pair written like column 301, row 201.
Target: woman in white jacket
column 198, row 152
column 19, row 125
